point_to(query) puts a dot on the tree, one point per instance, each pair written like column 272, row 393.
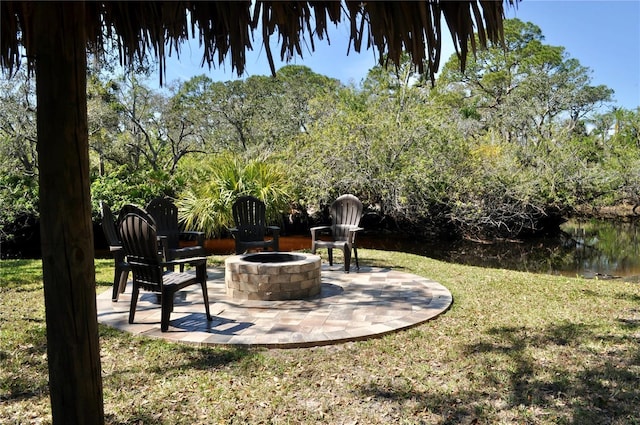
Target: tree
column 382, row 142
column 295, row 86
column 104, row 121
column 526, row 106
column 19, row 164
column 529, row 91
column 625, row 128
column 65, row 214
column 255, row 116
column 18, row 122
column 616, row 136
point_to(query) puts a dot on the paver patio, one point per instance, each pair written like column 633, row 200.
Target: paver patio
column 354, row 306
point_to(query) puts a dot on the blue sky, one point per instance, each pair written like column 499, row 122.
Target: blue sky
column 604, row 35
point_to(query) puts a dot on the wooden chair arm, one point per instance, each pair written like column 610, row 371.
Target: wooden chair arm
column 316, row 231
column 200, row 263
column 163, row 247
column 352, row 233
column 198, row 236
column 189, row 260
column 275, row 230
column 319, row 228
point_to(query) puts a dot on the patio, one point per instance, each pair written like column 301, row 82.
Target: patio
column 354, row 306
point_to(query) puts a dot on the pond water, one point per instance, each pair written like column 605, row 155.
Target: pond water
column 590, row 248
column 600, row 249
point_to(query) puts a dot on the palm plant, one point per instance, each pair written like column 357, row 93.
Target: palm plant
column 206, row 203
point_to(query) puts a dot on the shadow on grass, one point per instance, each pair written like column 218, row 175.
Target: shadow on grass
column 383, row 264
column 570, row 373
column 625, row 296
column 190, row 356
column 24, row 370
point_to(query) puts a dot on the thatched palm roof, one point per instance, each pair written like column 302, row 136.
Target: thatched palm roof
column 225, row 29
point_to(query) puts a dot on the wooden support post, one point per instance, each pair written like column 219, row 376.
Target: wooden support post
column 75, row 379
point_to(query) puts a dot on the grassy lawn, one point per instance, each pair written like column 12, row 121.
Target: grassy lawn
column 515, row 348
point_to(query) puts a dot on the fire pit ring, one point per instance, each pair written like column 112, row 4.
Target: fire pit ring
column 272, row 276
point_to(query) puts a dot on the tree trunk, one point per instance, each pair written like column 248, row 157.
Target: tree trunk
column 75, row 380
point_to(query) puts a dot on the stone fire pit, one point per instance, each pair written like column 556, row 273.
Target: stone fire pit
column 271, row 276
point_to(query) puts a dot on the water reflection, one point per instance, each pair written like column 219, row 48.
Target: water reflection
column 604, row 247
column 593, row 248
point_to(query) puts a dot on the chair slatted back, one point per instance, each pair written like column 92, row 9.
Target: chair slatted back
column 131, row 208
column 249, row 216
column 140, row 243
column 346, row 212
column 109, row 226
column 165, row 215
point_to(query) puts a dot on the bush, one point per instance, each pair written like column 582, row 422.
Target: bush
column 123, row 187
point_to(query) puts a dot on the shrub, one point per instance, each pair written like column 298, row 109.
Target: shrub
column 205, row 204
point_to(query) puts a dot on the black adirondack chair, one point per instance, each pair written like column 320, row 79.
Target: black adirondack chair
column 345, row 212
column 249, row 216
column 140, row 243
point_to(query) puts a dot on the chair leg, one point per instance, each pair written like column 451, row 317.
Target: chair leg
column 119, row 286
column 355, row 254
column 134, row 302
column 166, row 309
column 205, row 297
column 116, row 284
column 330, row 251
column 347, row 258
column 124, row 276
column 118, row 269
column 201, row 274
